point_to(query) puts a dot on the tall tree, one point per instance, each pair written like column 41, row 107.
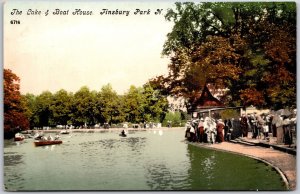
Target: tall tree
column 14, row 117
column 83, row 106
column 110, row 106
column 133, row 105
column 155, row 104
column 61, row 107
column 29, row 102
column 42, row 109
column 235, row 46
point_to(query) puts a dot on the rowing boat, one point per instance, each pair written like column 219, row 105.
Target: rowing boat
column 47, row 142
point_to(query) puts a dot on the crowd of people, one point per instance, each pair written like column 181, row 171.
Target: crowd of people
column 260, row 126
column 281, row 126
column 208, row 130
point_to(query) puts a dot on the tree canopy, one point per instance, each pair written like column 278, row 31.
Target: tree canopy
column 249, row 48
column 87, row 108
column 14, row 117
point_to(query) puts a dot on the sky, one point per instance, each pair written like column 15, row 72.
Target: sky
column 56, row 52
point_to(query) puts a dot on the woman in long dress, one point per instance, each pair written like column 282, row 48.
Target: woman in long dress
column 220, row 128
column 278, row 122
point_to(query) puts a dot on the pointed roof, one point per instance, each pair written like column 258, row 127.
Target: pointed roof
column 206, row 100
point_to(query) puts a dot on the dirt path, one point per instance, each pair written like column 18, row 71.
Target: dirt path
column 286, row 163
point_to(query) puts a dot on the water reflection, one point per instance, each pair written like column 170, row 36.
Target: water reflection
column 12, row 159
column 213, row 170
column 136, row 143
column 160, row 132
column 158, row 177
column 13, row 178
column 49, row 147
column 208, row 165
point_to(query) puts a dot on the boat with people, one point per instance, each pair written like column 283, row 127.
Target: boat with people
column 19, row 137
column 47, row 142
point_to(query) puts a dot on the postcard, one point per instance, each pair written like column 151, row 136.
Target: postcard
column 149, row 96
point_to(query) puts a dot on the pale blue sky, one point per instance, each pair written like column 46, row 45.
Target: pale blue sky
column 68, row 52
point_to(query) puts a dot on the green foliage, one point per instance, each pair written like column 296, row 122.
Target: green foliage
column 109, row 103
column 42, row 109
column 229, row 113
column 175, row 118
column 134, row 105
column 85, row 107
column 144, row 105
column 61, row 107
column 28, row 102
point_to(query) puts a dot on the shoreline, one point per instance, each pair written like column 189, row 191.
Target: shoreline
column 102, row 129
column 283, row 163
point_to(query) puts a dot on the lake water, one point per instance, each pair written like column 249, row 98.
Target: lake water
column 144, row 160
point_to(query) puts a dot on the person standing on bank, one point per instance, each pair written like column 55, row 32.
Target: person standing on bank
column 220, row 128
column 226, row 130
column 201, row 131
column 287, row 131
column 278, row 123
column 260, row 123
column 244, row 125
column 253, row 125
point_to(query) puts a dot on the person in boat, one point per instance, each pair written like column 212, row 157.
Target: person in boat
column 57, row 137
column 123, row 132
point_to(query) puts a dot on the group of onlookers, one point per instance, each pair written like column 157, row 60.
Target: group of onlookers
column 280, row 126
column 210, row 130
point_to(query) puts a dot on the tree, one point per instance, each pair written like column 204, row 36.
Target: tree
column 29, row 104
column 155, row 104
column 14, row 117
column 109, row 103
column 83, row 107
column 232, row 45
column 133, row 105
column 144, row 104
column 61, row 107
column 42, row 109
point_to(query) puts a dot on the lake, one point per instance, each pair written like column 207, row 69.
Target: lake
column 144, row 160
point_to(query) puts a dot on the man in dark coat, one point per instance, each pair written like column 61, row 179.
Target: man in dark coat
column 244, row 125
